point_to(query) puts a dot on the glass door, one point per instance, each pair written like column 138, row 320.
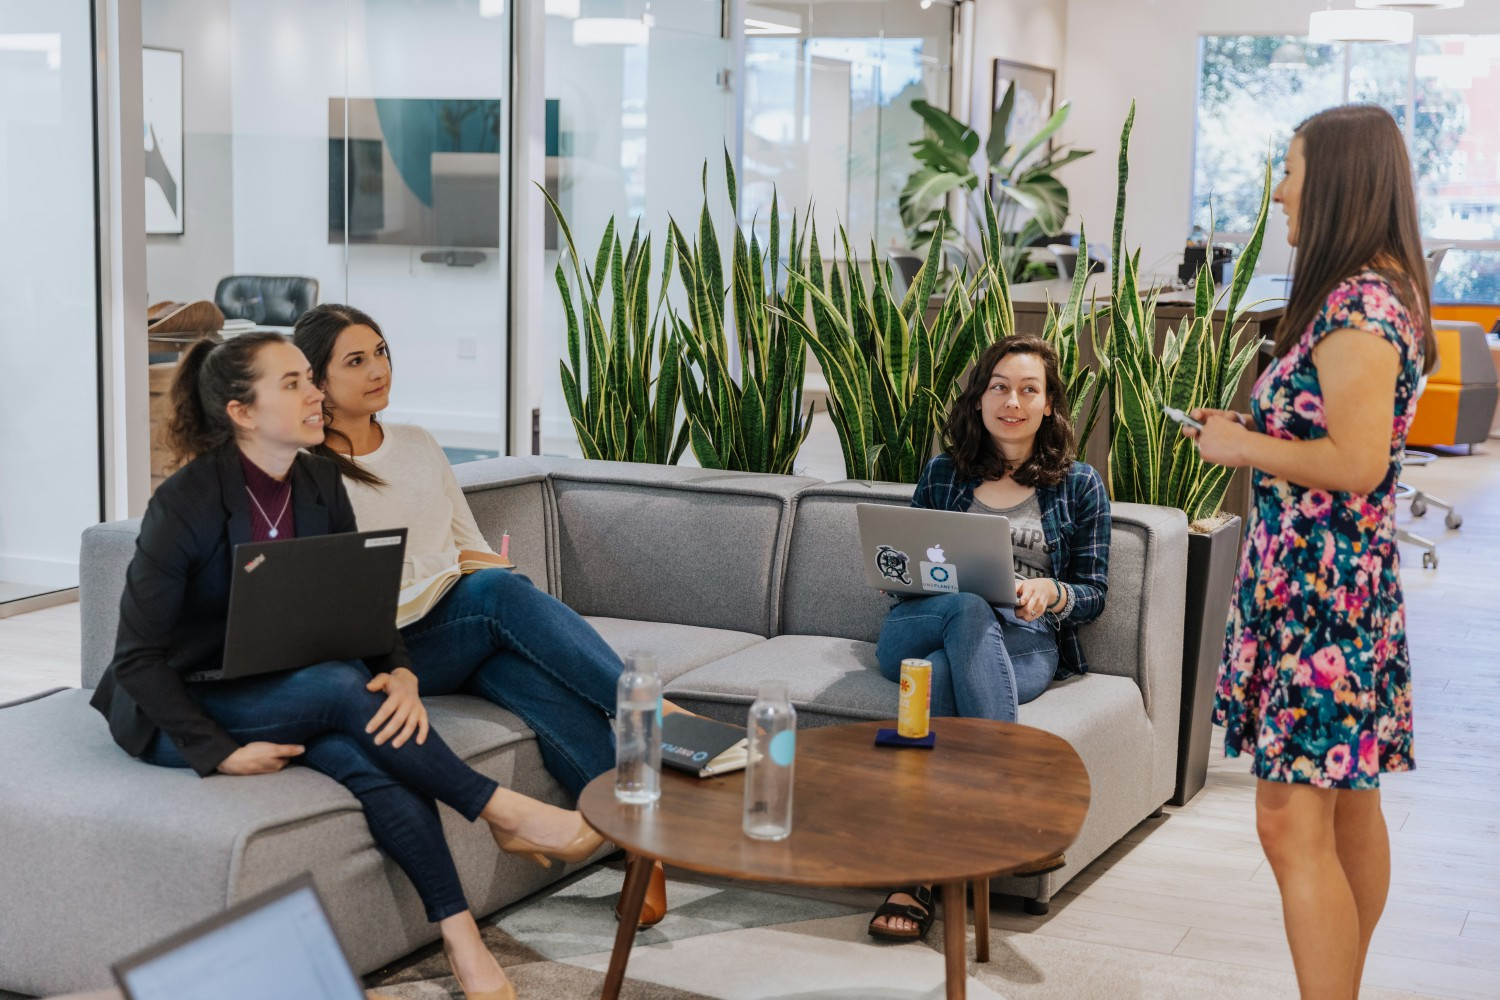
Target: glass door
column 638, row 98
column 49, row 308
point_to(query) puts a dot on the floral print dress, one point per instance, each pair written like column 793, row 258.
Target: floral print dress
column 1316, row 679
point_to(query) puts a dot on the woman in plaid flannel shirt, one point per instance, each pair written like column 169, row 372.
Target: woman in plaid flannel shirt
column 1008, row 449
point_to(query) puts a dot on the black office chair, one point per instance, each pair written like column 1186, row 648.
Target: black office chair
column 266, row 300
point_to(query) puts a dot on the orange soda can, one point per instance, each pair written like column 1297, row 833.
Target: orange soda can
column 916, row 699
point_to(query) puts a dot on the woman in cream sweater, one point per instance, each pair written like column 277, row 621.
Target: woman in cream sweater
column 493, row 634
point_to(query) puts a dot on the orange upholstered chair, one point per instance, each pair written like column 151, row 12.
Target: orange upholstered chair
column 1458, row 405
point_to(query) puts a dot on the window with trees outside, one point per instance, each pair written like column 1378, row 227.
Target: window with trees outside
column 1444, row 91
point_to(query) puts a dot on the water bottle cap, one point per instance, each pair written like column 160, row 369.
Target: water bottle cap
column 640, row 663
column 773, row 690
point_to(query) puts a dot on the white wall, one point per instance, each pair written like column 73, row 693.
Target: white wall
column 1025, row 31
column 49, row 406
column 188, row 267
column 1148, row 50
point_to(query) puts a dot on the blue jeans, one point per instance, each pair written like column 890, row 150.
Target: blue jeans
column 985, row 661
column 325, row 708
column 497, row 636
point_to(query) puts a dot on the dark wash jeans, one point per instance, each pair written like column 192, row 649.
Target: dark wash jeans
column 497, row 636
column 325, row 708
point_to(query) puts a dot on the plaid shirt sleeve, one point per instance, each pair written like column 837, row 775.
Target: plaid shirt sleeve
column 1087, row 568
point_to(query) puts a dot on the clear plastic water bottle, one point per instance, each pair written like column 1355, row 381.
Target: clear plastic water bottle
column 638, row 732
column 772, row 732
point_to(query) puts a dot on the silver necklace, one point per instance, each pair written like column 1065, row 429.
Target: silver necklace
column 276, row 524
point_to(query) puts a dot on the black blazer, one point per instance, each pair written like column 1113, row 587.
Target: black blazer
column 175, row 607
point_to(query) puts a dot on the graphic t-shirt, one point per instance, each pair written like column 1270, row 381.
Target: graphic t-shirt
column 1028, row 542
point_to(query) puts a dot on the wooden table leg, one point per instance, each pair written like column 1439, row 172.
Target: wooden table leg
column 981, row 919
column 632, row 895
column 955, row 922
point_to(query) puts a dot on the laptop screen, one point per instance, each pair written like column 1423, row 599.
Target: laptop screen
column 285, row 948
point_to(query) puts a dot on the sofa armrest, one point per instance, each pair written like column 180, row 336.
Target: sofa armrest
column 105, row 556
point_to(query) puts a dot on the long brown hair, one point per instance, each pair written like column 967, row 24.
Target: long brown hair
column 210, row 376
column 972, row 449
column 316, row 333
column 1358, row 210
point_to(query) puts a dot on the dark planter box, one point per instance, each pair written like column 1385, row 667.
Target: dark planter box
column 1212, row 561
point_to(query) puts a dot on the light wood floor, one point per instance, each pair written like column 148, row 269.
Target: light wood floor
column 1195, row 883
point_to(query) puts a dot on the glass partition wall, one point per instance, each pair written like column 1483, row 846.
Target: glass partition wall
column 810, row 99
column 361, row 147
column 49, row 308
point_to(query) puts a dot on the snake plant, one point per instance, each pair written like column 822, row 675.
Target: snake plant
column 1064, row 330
column 624, row 403
column 752, row 421
column 1199, row 365
column 892, row 375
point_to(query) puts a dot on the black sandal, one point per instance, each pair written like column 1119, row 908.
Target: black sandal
column 919, row 913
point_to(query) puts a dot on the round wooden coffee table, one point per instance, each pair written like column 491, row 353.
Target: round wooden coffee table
column 990, row 799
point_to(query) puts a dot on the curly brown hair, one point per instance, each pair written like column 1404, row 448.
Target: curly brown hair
column 972, row 449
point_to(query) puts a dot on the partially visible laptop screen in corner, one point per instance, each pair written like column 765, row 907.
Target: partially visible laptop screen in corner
column 278, row 946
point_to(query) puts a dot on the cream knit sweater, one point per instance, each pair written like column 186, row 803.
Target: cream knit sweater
column 420, row 495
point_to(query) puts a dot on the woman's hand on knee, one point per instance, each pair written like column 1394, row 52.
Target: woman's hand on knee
column 260, row 758
column 403, row 712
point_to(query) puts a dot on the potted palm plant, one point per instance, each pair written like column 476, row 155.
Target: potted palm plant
column 1030, row 200
column 1199, row 364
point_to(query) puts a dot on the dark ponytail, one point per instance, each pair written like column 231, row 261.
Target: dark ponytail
column 316, row 333
column 210, row 376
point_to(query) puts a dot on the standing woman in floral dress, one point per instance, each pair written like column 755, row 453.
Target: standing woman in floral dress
column 1316, row 681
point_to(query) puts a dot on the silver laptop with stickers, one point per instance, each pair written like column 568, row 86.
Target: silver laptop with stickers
column 914, row 550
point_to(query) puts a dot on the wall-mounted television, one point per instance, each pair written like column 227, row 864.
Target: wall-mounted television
column 414, row 171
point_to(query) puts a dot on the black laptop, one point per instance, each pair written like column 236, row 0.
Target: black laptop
column 279, row 945
column 302, row 601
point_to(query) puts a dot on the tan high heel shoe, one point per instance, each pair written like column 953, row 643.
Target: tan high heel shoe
column 654, row 906
column 508, row 992
column 579, row 848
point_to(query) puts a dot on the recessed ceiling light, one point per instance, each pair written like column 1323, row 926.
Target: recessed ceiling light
column 1393, row 26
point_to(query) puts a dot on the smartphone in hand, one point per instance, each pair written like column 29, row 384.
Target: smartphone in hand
column 1174, row 413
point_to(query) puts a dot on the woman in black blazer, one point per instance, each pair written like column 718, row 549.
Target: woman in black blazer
column 242, row 412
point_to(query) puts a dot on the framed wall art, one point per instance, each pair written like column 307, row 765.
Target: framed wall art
column 1036, row 100
column 161, row 80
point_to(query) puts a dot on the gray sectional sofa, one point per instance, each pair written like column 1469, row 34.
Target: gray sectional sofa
column 727, row 578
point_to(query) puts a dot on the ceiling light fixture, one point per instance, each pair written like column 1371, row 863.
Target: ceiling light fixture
column 563, row 8
column 1408, row 4
column 762, row 21
column 755, row 26
column 611, row 31
column 1391, row 26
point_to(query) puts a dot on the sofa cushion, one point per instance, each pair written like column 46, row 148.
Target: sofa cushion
column 825, row 591
column 511, row 495
column 660, row 543
column 677, row 648
column 1102, row 717
column 121, row 853
column 1140, row 631
column 829, row 681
